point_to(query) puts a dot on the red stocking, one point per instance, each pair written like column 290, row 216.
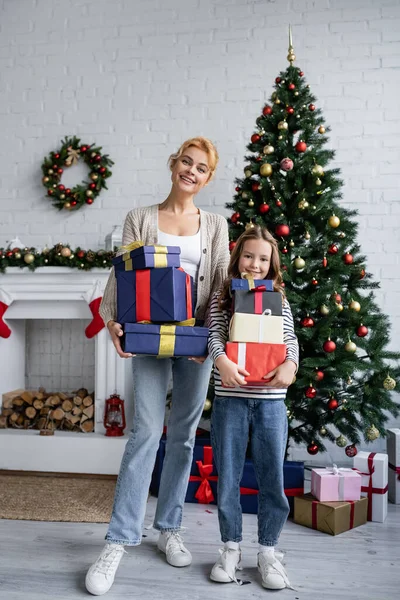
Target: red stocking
column 5, row 301
column 93, row 298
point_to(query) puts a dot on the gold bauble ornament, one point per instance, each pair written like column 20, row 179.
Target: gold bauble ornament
column 334, row 221
column 307, row 235
column 17, row 255
column 282, row 125
column 321, row 129
column 248, row 173
column 65, row 252
column 93, row 154
column 318, row 181
column 280, row 137
column 67, row 205
column 291, row 243
column 389, row 383
column 324, row 310
column 249, row 225
column 50, row 171
column 277, row 101
column 94, row 176
column 245, row 195
column 250, row 203
column 268, row 149
column 350, row 347
column 62, row 196
column 46, row 179
column 296, row 93
column 89, row 193
column 303, row 204
column 29, row 258
column 266, row 170
column 317, row 170
column 354, row 305
column 341, row 234
column 248, row 168
column 341, row 441
column 54, row 185
column 372, row 433
column 299, row 263
column 322, row 431
column 207, row 404
column 339, row 306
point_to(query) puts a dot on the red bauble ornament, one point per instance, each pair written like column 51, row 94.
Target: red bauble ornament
column 284, row 250
column 314, row 281
column 264, row 208
column 15, row 250
column 301, row 146
column 267, row 110
column 319, row 375
column 284, row 268
column 286, row 164
column 102, row 170
column 283, row 284
column 97, row 158
column 231, row 246
column 60, row 171
column 289, row 110
column 347, row 258
column 312, row 449
column 351, row 451
column 89, row 200
column 255, row 186
column 255, row 138
column 282, row 230
column 307, row 322
column 337, row 298
column 301, row 73
column 362, row 273
column 333, row 249
column 61, row 187
column 55, row 167
column 278, row 203
column 80, row 254
column 278, row 80
column 9, row 254
column 329, row 346
column 68, row 191
column 291, row 86
column 73, row 203
column 324, row 262
column 237, row 188
column 333, row 404
column 57, row 156
column 311, row 107
column 84, row 148
column 235, row 217
column 92, row 186
column 50, row 192
column 310, row 392
column 362, row 331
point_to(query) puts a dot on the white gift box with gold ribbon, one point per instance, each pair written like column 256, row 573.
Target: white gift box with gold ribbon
column 262, row 329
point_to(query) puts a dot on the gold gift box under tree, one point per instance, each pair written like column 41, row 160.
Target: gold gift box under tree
column 329, row 517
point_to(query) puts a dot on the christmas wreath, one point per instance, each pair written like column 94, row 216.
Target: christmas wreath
column 69, row 154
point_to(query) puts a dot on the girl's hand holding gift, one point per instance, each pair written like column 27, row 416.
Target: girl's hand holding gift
column 116, row 333
column 282, row 376
column 231, row 374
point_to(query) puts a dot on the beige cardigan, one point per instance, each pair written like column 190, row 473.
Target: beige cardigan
column 142, row 224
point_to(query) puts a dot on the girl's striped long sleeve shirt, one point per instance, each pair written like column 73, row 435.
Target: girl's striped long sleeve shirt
column 218, row 322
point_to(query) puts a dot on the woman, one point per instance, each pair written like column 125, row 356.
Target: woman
column 203, row 239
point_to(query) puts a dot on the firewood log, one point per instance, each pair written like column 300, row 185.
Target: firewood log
column 87, row 426
column 89, row 411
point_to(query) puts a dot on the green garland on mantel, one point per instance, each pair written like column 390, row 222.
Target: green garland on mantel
column 61, row 255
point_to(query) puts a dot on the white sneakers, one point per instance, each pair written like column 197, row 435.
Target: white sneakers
column 101, row 574
column 273, row 574
column 224, row 570
column 171, row 543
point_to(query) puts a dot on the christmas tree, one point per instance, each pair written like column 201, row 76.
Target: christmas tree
column 342, row 388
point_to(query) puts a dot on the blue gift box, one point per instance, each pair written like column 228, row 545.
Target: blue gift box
column 293, row 477
column 161, row 295
column 165, row 340
column 243, row 284
column 148, row 257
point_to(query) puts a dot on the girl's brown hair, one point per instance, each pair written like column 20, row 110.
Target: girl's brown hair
column 252, row 233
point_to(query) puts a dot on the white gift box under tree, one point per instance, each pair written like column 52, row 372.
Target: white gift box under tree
column 393, row 450
column 373, row 467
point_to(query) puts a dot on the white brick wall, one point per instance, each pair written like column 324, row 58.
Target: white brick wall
column 139, row 76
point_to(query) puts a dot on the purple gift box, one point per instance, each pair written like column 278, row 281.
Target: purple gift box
column 335, row 485
column 157, row 295
column 244, row 284
column 148, row 257
column 165, row 340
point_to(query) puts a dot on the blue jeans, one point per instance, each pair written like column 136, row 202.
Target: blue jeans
column 151, row 377
column 233, row 421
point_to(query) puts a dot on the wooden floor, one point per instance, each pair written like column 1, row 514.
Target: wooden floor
column 49, row 560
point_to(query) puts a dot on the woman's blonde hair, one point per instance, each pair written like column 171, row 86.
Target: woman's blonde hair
column 203, row 144
column 253, row 233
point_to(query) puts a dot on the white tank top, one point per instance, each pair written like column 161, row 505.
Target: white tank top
column 190, row 246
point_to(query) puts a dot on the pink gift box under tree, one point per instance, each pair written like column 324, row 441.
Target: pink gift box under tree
column 335, row 485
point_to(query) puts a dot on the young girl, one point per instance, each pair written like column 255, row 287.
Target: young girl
column 240, row 411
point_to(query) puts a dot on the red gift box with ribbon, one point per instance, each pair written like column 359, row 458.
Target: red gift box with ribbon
column 202, row 486
column 373, row 468
column 257, row 359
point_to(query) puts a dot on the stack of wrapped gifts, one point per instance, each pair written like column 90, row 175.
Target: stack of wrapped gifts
column 256, row 329
column 155, row 303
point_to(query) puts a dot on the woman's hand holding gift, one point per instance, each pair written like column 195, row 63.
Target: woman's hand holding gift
column 282, row 376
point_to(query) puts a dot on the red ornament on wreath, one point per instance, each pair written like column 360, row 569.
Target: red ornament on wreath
column 301, row 146
column 333, row 404
column 329, row 346
column 237, row 188
column 351, row 451
column 312, row 449
column 362, row 331
column 255, row 138
column 267, row 110
column 347, row 258
column 310, row 392
column 80, row 254
column 264, row 208
column 282, row 230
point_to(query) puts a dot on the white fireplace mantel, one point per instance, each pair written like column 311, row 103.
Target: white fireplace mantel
column 58, row 293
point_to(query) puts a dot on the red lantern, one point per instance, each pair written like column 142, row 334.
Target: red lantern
column 255, row 138
column 282, row 230
column 301, row 146
column 333, row 404
column 114, row 416
column 267, row 110
column 347, row 258
column 329, row 346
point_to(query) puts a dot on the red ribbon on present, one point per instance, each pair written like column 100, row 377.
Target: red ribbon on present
column 258, row 307
column 396, row 470
column 188, row 286
column 368, row 488
column 248, row 491
column 288, row 491
column 204, row 493
column 314, row 510
column 143, row 295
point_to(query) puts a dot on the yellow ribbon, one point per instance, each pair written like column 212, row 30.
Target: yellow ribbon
column 250, row 279
column 132, row 246
column 160, row 255
column 166, row 347
column 187, row 323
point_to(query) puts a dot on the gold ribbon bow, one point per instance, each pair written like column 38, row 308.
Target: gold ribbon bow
column 160, row 255
column 73, row 156
column 250, row 279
